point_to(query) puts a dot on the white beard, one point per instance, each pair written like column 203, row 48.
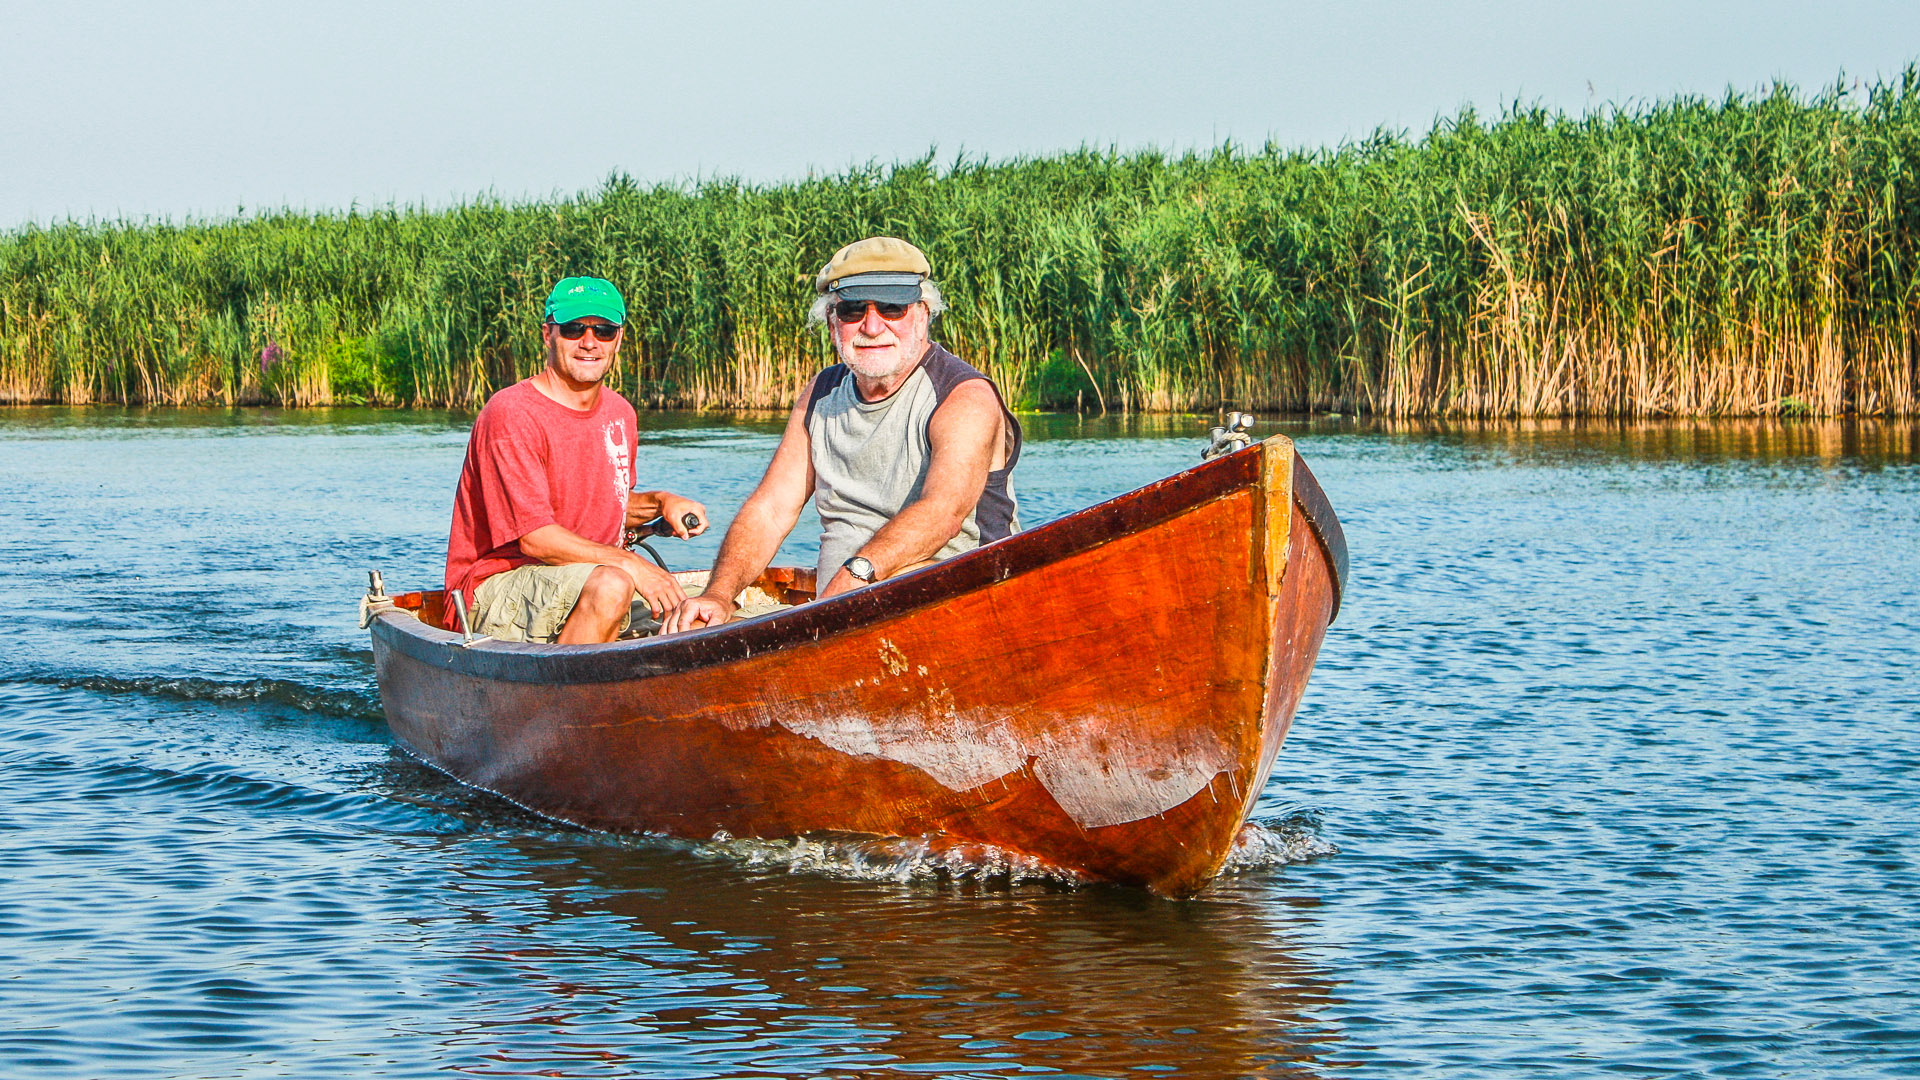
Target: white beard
column 850, row 357
column 866, row 372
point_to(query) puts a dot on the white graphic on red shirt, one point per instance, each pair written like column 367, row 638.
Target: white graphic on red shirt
column 621, row 456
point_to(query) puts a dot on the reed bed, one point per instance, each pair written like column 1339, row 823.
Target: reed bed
column 1751, row 255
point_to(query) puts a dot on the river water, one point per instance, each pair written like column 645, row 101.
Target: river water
column 1608, row 769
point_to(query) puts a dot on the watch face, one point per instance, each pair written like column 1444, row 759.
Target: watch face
column 859, row 567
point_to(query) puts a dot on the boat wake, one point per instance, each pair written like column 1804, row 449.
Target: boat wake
column 1264, row 846
column 344, row 703
column 943, row 860
column 905, row 860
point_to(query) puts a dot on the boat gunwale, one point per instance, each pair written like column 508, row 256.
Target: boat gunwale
column 886, row 601
column 1313, row 500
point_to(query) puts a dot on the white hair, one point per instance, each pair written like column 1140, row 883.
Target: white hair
column 929, row 295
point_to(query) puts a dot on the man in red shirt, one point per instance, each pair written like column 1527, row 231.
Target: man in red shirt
column 547, row 490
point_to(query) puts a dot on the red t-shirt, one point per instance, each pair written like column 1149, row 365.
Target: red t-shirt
column 532, row 461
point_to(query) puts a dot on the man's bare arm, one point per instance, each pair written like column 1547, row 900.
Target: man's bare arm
column 965, row 435
column 756, row 532
column 644, row 506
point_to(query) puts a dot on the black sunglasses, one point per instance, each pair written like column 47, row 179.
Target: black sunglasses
column 574, row 331
column 851, row 311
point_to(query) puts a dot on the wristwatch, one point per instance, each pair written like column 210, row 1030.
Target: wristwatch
column 859, row 567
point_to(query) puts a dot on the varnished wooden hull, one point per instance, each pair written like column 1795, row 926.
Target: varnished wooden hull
column 1105, row 693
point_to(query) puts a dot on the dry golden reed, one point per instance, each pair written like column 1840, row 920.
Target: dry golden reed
column 1755, row 255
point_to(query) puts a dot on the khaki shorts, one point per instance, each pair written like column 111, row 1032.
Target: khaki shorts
column 529, row 603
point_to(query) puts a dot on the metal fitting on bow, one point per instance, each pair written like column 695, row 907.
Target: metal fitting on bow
column 1225, row 440
column 375, row 601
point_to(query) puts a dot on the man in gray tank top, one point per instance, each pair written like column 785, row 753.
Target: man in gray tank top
column 906, row 450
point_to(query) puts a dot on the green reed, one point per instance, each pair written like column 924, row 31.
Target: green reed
column 1751, row 255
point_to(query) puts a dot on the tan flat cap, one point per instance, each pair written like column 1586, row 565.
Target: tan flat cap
column 878, row 268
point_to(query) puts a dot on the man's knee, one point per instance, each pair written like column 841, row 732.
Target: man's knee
column 606, row 591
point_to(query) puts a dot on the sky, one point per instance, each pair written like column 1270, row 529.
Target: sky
column 174, row 111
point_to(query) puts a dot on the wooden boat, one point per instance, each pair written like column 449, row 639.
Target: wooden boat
column 1105, row 693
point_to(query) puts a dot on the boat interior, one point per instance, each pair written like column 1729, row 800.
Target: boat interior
column 779, row 588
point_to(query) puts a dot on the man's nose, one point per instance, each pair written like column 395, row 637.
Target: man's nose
column 871, row 323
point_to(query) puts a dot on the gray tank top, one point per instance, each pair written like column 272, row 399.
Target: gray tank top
column 870, row 459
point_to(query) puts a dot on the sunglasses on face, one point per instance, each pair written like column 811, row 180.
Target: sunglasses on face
column 852, row 311
column 574, row 331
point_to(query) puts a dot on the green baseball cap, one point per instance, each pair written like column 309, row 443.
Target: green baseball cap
column 577, row 296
